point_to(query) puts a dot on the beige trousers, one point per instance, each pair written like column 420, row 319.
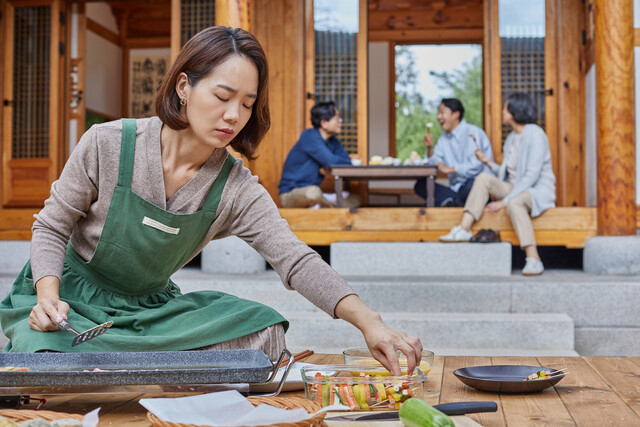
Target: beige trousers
column 270, row 340
column 486, row 186
column 304, row 197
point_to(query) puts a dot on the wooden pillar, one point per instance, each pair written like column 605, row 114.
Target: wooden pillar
column 616, row 118
column 234, row 13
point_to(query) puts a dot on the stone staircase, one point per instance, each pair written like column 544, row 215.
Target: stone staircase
column 563, row 312
column 471, row 316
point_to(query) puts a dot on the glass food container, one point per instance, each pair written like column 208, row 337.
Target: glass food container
column 362, row 356
column 361, row 387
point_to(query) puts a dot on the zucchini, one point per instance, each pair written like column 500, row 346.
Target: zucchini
column 418, row 413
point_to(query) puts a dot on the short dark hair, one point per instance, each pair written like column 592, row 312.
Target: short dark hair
column 454, row 105
column 197, row 59
column 322, row 111
column 522, row 108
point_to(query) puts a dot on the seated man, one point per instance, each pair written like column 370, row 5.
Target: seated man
column 307, row 162
column 454, row 154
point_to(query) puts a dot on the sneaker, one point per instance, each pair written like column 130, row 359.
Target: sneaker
column 533, row 267
column 457, row 234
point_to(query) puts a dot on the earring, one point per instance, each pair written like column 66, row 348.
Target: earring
column 183, row 101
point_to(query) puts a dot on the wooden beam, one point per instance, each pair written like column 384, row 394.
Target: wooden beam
column 391, row 89
column 552, row 102
column 493, row 105
column 362, row 117
column 175, row 29
column 104, row 32
column 616, row 118
column 436, row 35
column 234, row 13
column 147, row 42
column 571, row 112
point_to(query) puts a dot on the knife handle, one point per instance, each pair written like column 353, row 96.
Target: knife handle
column 461, row 408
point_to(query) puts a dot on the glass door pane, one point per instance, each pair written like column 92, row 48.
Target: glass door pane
column 522, row 44
column 31, row 67
column 336, row 62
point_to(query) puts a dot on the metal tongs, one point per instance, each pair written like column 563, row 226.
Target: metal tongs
column 81, row 337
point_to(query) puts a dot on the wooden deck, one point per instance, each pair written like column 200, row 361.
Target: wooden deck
column 569, row 227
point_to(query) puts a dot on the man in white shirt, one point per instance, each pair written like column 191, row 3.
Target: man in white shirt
column 454, row 154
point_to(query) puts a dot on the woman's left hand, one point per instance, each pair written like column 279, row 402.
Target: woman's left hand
column 495, row 206
column 382, row 340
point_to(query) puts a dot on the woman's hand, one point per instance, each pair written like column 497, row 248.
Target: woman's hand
column 45, row 310
column 49, row 306
column 495, row 206
column 382, row 340
column 482, row 157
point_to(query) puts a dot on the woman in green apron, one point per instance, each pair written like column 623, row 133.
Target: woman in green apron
column 138, row 199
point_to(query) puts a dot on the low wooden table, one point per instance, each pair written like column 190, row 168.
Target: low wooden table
column 343, row 173
column 598, row 391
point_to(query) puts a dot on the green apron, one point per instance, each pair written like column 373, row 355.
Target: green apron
column 127, row 281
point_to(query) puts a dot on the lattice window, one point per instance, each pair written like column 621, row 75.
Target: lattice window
column 337, row 80
column 31, row 59
column 523, row 71
column 195, row 15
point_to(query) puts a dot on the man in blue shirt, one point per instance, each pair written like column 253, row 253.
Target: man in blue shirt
column 454, row 154
column 308, row 162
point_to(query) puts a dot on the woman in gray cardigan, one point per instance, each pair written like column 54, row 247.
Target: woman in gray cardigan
column 525, row 183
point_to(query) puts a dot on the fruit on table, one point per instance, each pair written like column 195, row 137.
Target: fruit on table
column 375, row 160
column 418, row 413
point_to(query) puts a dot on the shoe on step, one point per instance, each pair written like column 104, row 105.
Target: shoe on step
column 533, row 267
column 457, row 234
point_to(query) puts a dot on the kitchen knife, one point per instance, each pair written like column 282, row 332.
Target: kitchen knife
column 454, row 408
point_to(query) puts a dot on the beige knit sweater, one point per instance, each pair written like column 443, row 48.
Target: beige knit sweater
column 80, row 199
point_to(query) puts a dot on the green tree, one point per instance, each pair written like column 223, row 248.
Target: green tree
column 466, row 85
column 413, row 112
column 411, row 115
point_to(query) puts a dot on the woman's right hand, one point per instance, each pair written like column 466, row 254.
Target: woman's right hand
column 44, row 311
column 49, row 307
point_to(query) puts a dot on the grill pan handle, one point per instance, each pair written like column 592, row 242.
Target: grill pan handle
column 276, row 366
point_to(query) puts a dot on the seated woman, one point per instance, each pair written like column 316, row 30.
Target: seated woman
column 525, row 185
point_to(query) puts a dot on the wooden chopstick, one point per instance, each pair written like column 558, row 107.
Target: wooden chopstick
column 297, row 357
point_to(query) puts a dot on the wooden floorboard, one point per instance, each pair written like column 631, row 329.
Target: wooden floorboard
column 570, row 227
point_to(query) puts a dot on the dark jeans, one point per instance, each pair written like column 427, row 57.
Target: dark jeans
column 444, row 195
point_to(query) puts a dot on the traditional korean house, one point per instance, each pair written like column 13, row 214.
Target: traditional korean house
column 69, row 63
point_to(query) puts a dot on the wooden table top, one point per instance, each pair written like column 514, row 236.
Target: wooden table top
column 383, row 171
column 598, row 391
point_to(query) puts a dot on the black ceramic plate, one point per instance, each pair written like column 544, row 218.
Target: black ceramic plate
column 506, row 378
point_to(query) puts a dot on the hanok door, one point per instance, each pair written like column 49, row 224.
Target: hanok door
column 32, row 101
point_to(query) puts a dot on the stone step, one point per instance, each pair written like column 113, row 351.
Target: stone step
column 486, row 333
column 421, row 258
column 13, row 255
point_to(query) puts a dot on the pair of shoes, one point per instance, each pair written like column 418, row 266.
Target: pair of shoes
column 486, row 236
column 457, row 234
column 533, row 267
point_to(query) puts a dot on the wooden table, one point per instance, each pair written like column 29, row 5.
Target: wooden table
column 343, row 173
column 598, row 391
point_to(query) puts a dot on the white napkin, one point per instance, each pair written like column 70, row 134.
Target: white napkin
column 91, row 419
column 226, row 408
